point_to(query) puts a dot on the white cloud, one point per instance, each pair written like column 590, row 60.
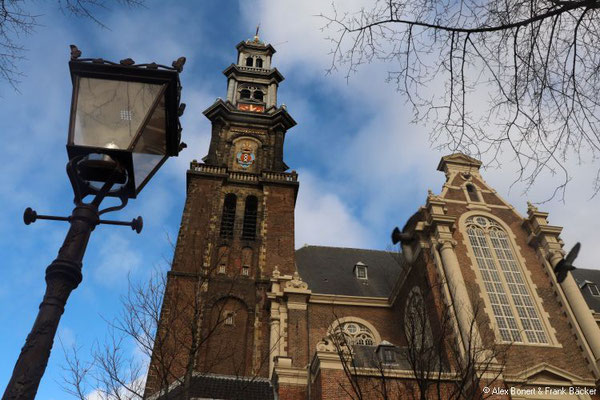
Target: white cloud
column 322, row 218
column 197, row 130
column 66, row 336
column 384, row 162
column 116, row 258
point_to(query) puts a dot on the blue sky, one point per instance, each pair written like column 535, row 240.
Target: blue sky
column 363, row 167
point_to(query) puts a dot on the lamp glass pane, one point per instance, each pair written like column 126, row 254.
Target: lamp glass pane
column 151, row 147
column 109, row 113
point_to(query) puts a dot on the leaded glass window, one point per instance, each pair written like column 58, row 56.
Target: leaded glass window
column 353, row 333
column 513, row 306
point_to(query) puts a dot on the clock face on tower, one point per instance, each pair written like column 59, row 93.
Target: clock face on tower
column 251, row 107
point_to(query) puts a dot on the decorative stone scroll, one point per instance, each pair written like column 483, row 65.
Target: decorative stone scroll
column 296, row 282
column 326, row 344
column 433, row 197
column 531, row 208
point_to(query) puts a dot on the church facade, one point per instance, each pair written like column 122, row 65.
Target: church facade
column 469, row 308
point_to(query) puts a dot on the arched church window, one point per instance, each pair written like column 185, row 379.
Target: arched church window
column 228, row 216
column 354, row 333
column 258, row 95
column 250, row 214
column 516, row 315
column 249, row 62
column 244, row 94
column 259, row 63
column 472, row 192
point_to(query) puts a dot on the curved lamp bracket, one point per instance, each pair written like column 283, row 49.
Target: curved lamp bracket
column 83, row 188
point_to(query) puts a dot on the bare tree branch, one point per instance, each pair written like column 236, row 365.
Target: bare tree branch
column 17, row 20
column 535, row 63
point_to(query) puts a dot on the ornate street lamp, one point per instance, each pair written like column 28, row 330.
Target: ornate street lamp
column 124, row 124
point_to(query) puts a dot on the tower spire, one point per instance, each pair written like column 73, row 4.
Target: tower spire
column 256, row 39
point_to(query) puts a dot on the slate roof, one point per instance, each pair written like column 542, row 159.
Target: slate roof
column 330, row 270
column 366, row 356
column 590, row 275
column 223, row 387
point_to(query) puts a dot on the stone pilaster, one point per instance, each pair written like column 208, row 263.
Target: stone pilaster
column 289, row 303
column 443, row 227
column 547, row 238
column 289, row 297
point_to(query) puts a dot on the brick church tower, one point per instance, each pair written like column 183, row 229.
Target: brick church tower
column 237, row 228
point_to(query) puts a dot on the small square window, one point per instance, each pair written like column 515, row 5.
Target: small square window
column 361, row 272
column 229, row 319
column 389, row 356
column 594, row 289
column 222, row 269
column 245, row 270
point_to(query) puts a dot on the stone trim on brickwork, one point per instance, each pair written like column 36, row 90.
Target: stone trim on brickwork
column 286, row 374
column 538, row 302
column 327, row 360
column 337, row 299
column 467, row 167
column 288, row 292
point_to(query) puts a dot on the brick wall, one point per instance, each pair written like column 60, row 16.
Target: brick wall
column 292, row 392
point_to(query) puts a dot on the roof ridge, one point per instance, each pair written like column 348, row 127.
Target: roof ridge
column 231, row 377
column 345, row 248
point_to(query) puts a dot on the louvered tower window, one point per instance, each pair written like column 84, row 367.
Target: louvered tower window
column 250, row 212
column 228, row 216
column 512, row 303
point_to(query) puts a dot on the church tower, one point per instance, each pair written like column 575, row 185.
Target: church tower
column 237, row 228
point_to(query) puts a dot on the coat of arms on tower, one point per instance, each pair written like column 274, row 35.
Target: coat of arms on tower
column 245, row 157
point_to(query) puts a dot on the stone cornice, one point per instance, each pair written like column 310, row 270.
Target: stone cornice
column 331, row 360
column 236, row 70
column 265, row 177
column 267, row 48
column 226, row 111
column 289, row 375
column 321, row 298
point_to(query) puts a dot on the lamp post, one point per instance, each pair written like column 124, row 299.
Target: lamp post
column 124, row 124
